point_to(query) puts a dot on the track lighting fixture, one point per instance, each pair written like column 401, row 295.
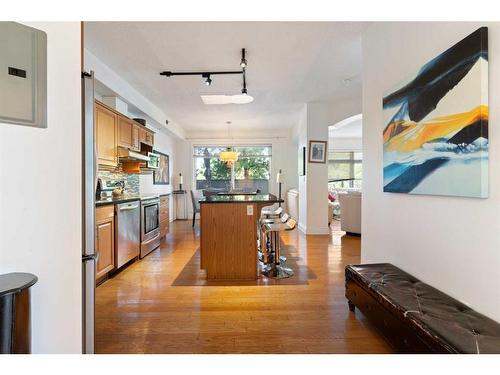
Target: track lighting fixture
column 243, row 62
column 208, row 80
column 207, row 75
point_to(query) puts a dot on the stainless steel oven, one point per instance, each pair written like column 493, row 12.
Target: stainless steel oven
column 150, row 224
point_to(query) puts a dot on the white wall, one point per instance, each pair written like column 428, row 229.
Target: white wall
column 345, row 144
column 313, row 187
column 40, row 199
column 451, row 243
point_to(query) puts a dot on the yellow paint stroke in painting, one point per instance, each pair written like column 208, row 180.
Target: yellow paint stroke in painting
column 416, row 135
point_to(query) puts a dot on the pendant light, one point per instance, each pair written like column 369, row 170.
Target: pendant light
column 228, row 156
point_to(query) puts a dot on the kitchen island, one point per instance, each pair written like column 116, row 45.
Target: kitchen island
column 228, row 231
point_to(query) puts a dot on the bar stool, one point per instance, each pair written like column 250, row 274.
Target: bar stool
column 276, row 270
column 268, row 213
column 265, row 248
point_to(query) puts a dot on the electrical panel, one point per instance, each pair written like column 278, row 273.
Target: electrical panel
column 23, row 75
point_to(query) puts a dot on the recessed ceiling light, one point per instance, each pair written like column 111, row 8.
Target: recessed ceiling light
column 227, row 99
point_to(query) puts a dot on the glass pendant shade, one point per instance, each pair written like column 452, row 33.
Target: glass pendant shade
column 228, row 156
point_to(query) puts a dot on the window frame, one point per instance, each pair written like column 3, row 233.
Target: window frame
column 351, row 161
column 224, row 145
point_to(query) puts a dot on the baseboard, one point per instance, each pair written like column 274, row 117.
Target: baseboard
column 302, row 228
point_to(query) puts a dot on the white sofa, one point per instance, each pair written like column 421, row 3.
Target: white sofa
column 350, row 212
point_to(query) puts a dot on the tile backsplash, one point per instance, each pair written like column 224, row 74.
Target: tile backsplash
column 131, row 180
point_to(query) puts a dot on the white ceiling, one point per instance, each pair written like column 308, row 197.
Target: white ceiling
column 289, row 63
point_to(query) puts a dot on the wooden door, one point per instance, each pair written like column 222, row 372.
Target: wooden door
column 106, row 136
column 105, row 240
column 125, row 127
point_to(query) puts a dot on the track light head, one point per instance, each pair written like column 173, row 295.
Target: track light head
column 208, row 80
column 243, row 62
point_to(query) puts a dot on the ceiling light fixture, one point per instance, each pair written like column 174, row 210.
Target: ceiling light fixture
column 229, row 156
column 207, row 75
column 243, row 62
column 208, row 80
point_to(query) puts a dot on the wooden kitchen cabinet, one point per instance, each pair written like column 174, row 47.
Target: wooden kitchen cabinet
column 125, row 132
column 128, row 134
column 105, row 239
column 146, row 137
column 106, row 124
column 164, row 215
column 136, row 144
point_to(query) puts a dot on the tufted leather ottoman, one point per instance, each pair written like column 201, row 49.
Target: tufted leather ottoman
column 415, row 317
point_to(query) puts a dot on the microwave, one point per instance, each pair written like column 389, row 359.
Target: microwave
column 154, row 160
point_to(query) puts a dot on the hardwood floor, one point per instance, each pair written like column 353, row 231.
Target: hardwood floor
column 163, row 304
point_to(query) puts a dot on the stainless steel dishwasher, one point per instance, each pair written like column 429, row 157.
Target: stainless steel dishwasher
column 128, row 232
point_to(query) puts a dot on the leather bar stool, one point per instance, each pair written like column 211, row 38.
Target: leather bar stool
column 277, row 270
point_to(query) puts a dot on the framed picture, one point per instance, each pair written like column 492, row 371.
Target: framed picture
column 161, row 175
column 302, row 161
column 317, row 151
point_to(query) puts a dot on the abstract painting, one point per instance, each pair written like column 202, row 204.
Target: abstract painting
column 436, row 125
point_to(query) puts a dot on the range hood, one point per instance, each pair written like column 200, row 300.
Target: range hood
column 128, row 155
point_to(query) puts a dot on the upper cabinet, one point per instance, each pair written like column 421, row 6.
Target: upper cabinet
column 106, row 123
column 114, row 130
column 146, row 137
column 128, row 134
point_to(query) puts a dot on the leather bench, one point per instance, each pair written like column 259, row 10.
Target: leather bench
column 415, row 317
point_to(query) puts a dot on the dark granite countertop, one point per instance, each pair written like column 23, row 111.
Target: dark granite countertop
column 117, row 200
column 241, row 198
column 164, row 194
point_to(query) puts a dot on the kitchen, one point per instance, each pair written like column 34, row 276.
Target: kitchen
column 131, row 220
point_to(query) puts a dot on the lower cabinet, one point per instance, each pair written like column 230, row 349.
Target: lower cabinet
column 105, row 239
column 164, row 215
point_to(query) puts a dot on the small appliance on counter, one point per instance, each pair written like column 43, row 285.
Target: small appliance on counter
column 110, row 189
column 98, row 190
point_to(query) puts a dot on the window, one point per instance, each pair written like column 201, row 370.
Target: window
column 345, row 169
column 251, row 171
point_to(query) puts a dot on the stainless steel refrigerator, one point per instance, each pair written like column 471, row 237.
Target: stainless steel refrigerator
column 89, row 252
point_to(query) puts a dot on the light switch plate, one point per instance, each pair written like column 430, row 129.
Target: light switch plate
column 23, row 75
column 250, row 210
